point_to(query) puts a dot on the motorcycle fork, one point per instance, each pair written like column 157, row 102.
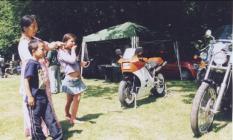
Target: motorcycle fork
column 222, row 90
column 133, row 93
column 208, row 71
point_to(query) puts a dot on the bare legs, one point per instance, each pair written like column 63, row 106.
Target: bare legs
column 74, row 110
column 69, row 99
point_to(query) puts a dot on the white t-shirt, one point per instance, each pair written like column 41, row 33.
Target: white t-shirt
column 24, row 53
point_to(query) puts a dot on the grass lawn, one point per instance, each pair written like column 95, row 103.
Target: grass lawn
column 166, row 118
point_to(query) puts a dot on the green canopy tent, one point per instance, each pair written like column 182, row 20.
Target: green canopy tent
column 125, row 30
column 129, row 30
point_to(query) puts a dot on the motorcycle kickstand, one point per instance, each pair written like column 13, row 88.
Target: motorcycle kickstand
column 166, row 90
column 135, row 100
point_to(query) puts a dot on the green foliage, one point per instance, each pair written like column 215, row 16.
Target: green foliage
column 10, row 12
column 191, row 8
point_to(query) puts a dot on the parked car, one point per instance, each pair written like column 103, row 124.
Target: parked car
column 188, row 69
column 188, row 64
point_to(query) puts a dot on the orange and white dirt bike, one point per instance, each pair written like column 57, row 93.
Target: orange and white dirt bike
column 141, row 76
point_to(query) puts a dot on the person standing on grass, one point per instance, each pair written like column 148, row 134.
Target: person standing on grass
column 29, row 29
column 54, row 71
column 36, row 98
column 72, row 84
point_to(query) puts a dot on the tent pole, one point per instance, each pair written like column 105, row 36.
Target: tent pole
column 176, row 48
column 137, row 41
column 133, row 42
column 82, row 55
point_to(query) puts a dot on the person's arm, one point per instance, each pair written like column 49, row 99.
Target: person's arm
column 30, row 98
column 68, row 58
column 53, row 45
column 28, row 73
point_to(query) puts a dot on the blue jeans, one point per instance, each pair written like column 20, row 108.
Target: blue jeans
column 43, row 110
column 54, row 78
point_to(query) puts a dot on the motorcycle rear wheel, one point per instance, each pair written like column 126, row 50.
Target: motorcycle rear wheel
column 125, row 97
column 202, row 116
column 159, row 88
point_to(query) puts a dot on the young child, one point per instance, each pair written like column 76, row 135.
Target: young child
column 72, row 83
column 37, row 99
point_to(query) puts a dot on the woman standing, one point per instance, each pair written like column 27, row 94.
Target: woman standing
column 29, row 29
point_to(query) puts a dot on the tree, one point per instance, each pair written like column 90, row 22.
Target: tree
column 10, row 13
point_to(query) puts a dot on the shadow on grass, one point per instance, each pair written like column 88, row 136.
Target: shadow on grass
column 98, row 91
column 65, row 127
column 90, row 117
column 225, row 117
column 188, row 98
column 140, row 102
column 173, row 85
column 146, row 100
column 183, row 86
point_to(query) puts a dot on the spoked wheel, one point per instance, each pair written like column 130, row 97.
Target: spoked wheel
column 125, row 96
column 201, row 115
column 159, row 87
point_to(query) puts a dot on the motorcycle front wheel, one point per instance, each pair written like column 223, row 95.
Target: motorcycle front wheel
column 126, row 98
column 201, row 115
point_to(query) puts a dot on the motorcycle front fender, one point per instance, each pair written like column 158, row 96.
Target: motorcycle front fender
column 146, row 80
